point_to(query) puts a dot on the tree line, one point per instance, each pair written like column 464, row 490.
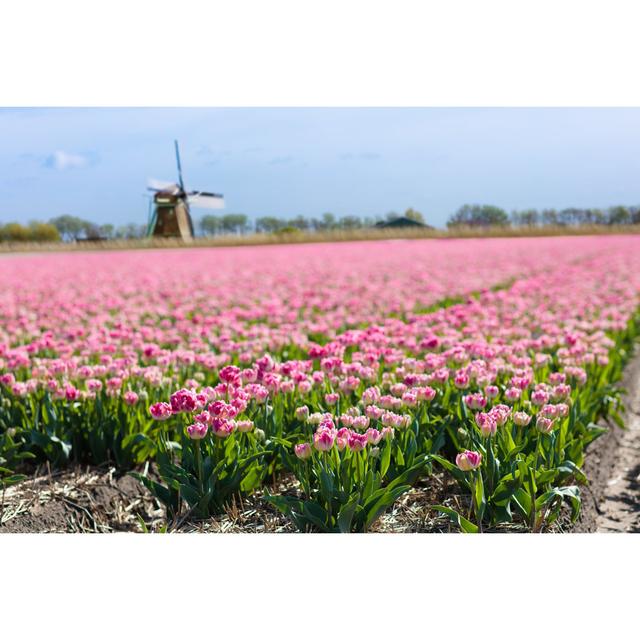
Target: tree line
column 477, row 215
column 68, row 228
column 211, row 225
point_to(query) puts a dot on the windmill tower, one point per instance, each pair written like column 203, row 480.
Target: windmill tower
column 171, row 217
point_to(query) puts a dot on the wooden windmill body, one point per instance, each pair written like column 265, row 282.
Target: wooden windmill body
column 171, row 216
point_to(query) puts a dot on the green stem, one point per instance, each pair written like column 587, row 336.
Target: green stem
column 532, row 490
column 475, row 493
column 196, row 444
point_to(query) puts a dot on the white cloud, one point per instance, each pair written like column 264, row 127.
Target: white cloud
column 61, row 160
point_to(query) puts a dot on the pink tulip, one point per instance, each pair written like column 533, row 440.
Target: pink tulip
column 521, row 418
column 303, row 451
column 183, row 401
column 544, row 425
column 323, row 439
column 244, row 426
column 487, row 424
column 357, row 441
column 331, row 398
column 512, row 394
column 468, row 460
column 539, row 398
column 197, row 431
column 222, row 427
column 130, row 398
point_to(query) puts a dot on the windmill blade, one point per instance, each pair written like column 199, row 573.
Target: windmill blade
column 162, row 185
column 205, row 200
column 180, row 181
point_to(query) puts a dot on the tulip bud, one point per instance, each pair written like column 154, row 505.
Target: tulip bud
column 197, row 431
column 303, row 451
column 491, row 391
column 244, row 426
column 468, row 460
column 512, row 394
column 487, row 423
column 331, row 398
column 323, row 439
column 521, row 418
column 387, row 433
column 544, row 425
column 160, row 411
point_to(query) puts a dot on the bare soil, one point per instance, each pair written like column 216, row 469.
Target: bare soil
column 90, row 500
column 611, row 500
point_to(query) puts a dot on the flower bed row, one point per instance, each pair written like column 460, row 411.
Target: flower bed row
column 503, row 391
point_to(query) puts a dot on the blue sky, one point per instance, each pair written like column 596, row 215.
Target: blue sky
column 94, row 163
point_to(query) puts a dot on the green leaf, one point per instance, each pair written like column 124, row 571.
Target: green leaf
column 12, row 479
column 463, row 524
column 594, row 431
column 522, row 502
column 571, row 494
column 385, row 459
column 191, row 495
column 326, row 483
column 345, row 516
column 316, row 515
column 479, row 498
column 571, row 468
column 388, row 497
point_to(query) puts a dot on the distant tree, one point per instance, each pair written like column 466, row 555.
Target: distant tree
column 43, row 232
column 210, row 225
column 269, row 224
column 106, row 230
column 392, row 215
column 326, row 223
column 619, row 215
column 550, row 217
column 597, row 216
column 14, row 232
column 529, row 217
column 70, row 227
column 234, row 223
column 92, row 231
column 131, row 231
column 350, row 222
column 526, row 218
column 572, row 215
column 299, row 222
column 412, row 214
column 477, row 215
column 635, row 214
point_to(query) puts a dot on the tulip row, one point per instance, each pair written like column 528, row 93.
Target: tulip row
column 359, row 386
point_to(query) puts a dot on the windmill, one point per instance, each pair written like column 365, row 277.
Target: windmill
column 171, row 216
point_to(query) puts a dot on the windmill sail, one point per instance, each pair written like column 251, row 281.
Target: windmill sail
column 162, row 185
column 205, row 200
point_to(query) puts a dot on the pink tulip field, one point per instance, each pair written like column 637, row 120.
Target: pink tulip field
column 356, row 369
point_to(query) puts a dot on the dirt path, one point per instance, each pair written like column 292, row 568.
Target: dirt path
column 619, row 508
column 611, row 500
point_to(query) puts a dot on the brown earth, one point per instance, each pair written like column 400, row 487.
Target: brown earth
column 611, row 500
